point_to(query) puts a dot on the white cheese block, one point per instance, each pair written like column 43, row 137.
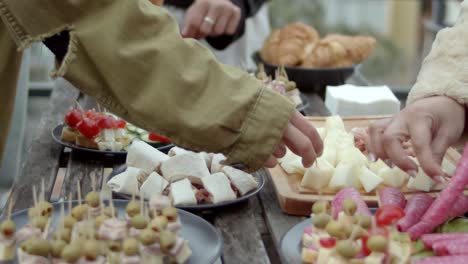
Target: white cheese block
column 144, row 156
column 182, row 193
column 393, row 177
column 352, row 155
column 374, row 258
column 110, row 145
column 188, row 165
column 243, row 181
column 350, row 100
column 322, row 132
column 108, row 134
column 318, row 175
column 448, row 167
column 346, row 175
column 216, row 162
column 120, row 133
column 369, row 180
column 154, row 184
column 293, row 166
column 289, row 156
column 126, row 182
column 330, row 154
column 376, row 166
column 324, row 255
column 219, row 187
column 421, row 182
column 333, row 123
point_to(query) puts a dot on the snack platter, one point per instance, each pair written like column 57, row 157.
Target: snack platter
column 296, row 199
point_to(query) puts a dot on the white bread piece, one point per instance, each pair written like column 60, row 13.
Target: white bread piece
column 110, row 145
column 243, row 181
column 144, row 156
column 219, row 187
column 182, row 193
column 154, row 184
column 189, row 165
column 216, row 165
column 126, row 182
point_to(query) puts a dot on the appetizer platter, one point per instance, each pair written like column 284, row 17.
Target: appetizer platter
column 345, row 162
column 102, row 132
column 193, row 181
column 117, row 231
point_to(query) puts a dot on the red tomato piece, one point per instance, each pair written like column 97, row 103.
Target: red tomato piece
column 156, row 137
column 388, row 215
column 73, row 117
column 107, row 122
column 121, row 123
column 88, row 128
column 327, row 242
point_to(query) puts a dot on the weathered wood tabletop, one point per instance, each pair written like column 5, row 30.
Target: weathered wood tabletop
column 251, row 230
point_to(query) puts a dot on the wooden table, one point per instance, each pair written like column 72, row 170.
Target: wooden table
column 251, row 230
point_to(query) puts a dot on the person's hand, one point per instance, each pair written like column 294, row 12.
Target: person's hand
column 301, row 138
column 432, row 124
column 211, row 18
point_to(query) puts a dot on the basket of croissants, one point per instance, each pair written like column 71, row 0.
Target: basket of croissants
column 310, row 61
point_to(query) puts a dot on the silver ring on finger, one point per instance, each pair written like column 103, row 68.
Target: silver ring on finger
column 209, row 20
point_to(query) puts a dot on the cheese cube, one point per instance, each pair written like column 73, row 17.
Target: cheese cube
column 392, row 177
column 322, row 132
column 346, row 175
column 293, row 166
column 334, row 123
column 369, row 180
column 448, row 167
column 421, row 182
column 352, row 155
column 376, row 166
column 318, row 175
column 329, row 154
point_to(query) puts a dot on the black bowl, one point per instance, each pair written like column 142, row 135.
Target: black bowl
column 310, row 80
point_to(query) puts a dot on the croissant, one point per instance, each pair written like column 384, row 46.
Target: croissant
column 289, row 45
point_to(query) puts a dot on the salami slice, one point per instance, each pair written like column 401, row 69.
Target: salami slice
column 451, row 247
column 460, row 207
column 458, row 248
column 439, row 211
column 391, row 195
column 430, row 239
column 444, row 260
column 414, row 210
column 351, row 193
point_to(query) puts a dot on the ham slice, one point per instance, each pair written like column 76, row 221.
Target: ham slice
column 439, row 211
column 130, row 259
column 444, row 260
column 113, row 229
column 159, row 202
column 337, row 203
column 414, row 210
column 430, row 239
column 27, row 232
column 391, row 195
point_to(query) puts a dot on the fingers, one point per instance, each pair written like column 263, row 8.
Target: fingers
column 271, row 162
column 299, row 144
column 193, row 20
column 376, row 130
column 221, row 25
column 308, row 130
column 213, row 13
column 233, row 21
column 280, row 151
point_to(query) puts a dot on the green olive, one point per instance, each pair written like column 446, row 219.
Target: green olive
column 290, row 85
column 170, row 213
column 159, row 223
column 139, row 221
column 107, row 211
column 321, row 220
column 346, row 249
column 56, row 248
column 167, row 239
column 93, row 199
column 349, row 207
column 40, row 222
column 347, row 230
column 8, row 228
column 133, row 208
column 33, row 212
column 80, row 212
column 364, row 220
column 91, row 249
column 130, row 247
column 71, row 252
column 36, row 246
column 114, row 246
column 335, row 229
column 63, row 234
column 148, row 237
column 45, row 208
column 320, row 207
column 68, row 222
column 100, row 219
column 377, row 243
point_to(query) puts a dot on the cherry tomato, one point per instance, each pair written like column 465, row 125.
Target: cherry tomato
column 388, row 215
column 91, row 114
column 327, row 242
column 156, row 137
column 107, row 122
column 372, row 232
column 73, row 117
column 88, row 128
column 121, row 123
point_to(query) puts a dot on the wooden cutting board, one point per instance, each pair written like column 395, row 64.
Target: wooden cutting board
column 297, row 200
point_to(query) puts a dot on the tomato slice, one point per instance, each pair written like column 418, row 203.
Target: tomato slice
column 121, row 123
column 107, row 122
column 156, row 137
column 88, row 128
column 327, row 242
column 388, row 215
column 73, row 117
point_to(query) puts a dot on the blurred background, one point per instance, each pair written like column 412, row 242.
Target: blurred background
column 404, row 29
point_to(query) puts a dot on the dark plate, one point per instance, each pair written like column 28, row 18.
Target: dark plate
column 204, row 240
column 310, row 79
column 57, row 134
column 198, row 207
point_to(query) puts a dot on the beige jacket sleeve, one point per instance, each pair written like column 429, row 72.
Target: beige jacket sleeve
column 130, row 56
column 445, row 70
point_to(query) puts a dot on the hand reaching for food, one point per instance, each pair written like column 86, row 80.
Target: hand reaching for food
column 211, row 18
column 432, row 124
column 301, row 138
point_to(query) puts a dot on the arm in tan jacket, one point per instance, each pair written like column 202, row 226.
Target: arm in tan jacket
column 130, row 56
column 445, row 69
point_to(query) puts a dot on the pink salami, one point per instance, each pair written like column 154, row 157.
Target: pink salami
column 390, row 195
column 351, row 193
column 460, row 207
column 458, row 248
column 444, row 260
column 414, row 210
column 439, row 211
column 430, row 239
column 450, row 247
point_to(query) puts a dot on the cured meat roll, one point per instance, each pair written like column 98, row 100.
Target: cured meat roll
column 144, row 156
column 243, row 181
column 187, row 165
column 126, row 182
column 414, row 210
column 154, row 184
column 182, row 193
column 393, row 196
column 219, row 187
